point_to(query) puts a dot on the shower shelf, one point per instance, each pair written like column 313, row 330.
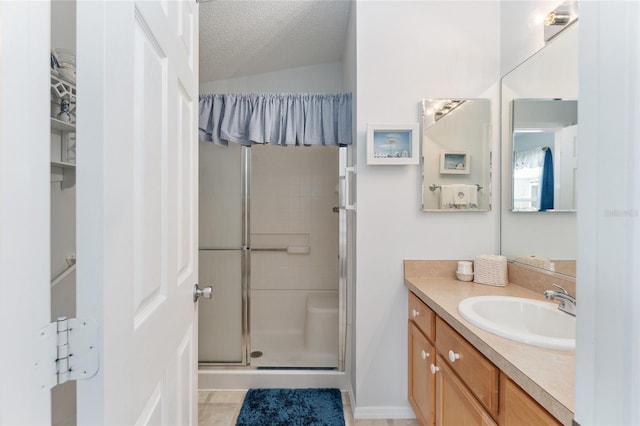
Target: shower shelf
column 63, row 126
column 63, row 162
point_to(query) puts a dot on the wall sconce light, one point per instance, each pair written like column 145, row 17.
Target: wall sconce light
column 445, row 107
column 560, row 18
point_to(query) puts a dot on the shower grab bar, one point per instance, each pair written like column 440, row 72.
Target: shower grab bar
column 433, row 187
column 287, row 249
column 62, row 275
column 222, row 248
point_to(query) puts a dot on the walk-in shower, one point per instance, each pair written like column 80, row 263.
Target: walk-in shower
column 272, row 240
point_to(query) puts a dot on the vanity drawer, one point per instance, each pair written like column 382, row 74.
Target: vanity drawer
column 422, row 316
column 477, row 372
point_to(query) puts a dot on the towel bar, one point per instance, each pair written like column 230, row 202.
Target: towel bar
column 433, row 187
column 288, row 249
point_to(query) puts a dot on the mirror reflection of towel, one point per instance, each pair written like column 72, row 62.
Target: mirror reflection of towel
column 458, row 197
column 446, row 197
column 547, row 187
column 473, row 196
column 465, row 196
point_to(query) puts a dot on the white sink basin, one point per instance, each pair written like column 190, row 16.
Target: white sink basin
column 524, row 320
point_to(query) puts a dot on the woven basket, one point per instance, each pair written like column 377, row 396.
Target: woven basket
column 491, row 270
column 537, row 261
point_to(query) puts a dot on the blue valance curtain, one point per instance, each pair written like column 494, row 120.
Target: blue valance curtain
column 276, row 118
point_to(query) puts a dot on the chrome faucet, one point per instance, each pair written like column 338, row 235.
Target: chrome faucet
column 567, row 302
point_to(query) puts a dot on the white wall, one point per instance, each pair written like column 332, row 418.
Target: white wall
column 608, row 339
column 407, row 51
column 322, row 78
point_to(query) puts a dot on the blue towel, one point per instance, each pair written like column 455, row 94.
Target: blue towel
column 546, row 192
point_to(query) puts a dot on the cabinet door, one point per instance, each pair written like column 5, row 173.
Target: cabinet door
column 421, row 381
column 455, row 404
column 518, row 408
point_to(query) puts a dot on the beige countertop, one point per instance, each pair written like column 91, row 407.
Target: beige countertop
column 545, row 374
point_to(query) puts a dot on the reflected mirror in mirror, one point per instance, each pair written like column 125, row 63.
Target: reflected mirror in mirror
column 456, row 147
column 544, row 154
column 538, row 105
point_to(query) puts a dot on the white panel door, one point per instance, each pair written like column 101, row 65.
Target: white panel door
column 137, row 162
column 566, row 167
column 24, row 210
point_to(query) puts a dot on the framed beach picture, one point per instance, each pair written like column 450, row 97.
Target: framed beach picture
column 455, row 162
column 392, row 144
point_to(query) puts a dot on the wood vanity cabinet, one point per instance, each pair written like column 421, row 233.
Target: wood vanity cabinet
column 452, row 383
column 443, row 392
column 518, row 408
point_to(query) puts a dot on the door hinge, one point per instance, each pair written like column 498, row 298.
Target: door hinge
column 68, row 351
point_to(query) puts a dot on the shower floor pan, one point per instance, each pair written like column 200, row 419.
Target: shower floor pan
column 287, row 350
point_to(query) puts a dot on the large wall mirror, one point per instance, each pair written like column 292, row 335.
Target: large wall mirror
column 539, row 149
column 456, row 148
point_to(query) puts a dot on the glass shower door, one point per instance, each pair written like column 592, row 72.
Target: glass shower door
column 223, row 253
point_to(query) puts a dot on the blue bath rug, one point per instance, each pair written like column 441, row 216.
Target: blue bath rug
column 291, row 407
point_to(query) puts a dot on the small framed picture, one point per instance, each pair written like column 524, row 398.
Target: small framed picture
column 392, row 144
column 455, row 162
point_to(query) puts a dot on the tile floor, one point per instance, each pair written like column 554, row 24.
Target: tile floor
column 221, row 408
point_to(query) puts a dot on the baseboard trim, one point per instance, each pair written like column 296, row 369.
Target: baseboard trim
column 401, row 412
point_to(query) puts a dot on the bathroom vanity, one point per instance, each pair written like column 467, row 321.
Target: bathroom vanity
column 461, row 374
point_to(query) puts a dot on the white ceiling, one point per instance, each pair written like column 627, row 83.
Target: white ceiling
column 247, row 37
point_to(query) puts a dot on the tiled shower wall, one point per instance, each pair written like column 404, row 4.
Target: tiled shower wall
column 293, row 193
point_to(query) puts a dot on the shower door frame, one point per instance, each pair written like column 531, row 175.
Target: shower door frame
column 245, row 173
column 342, row 256
column 245, row 160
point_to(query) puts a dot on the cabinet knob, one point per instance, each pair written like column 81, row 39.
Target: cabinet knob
column 434, row 369
column 453, row 356
column 425, row 355
column 415, row 313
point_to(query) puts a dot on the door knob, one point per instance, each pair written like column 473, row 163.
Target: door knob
column 206, row 292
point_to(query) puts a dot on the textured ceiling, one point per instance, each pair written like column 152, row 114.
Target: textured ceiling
column 246, row 37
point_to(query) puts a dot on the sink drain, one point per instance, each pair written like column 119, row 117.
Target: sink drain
column 256, row 354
